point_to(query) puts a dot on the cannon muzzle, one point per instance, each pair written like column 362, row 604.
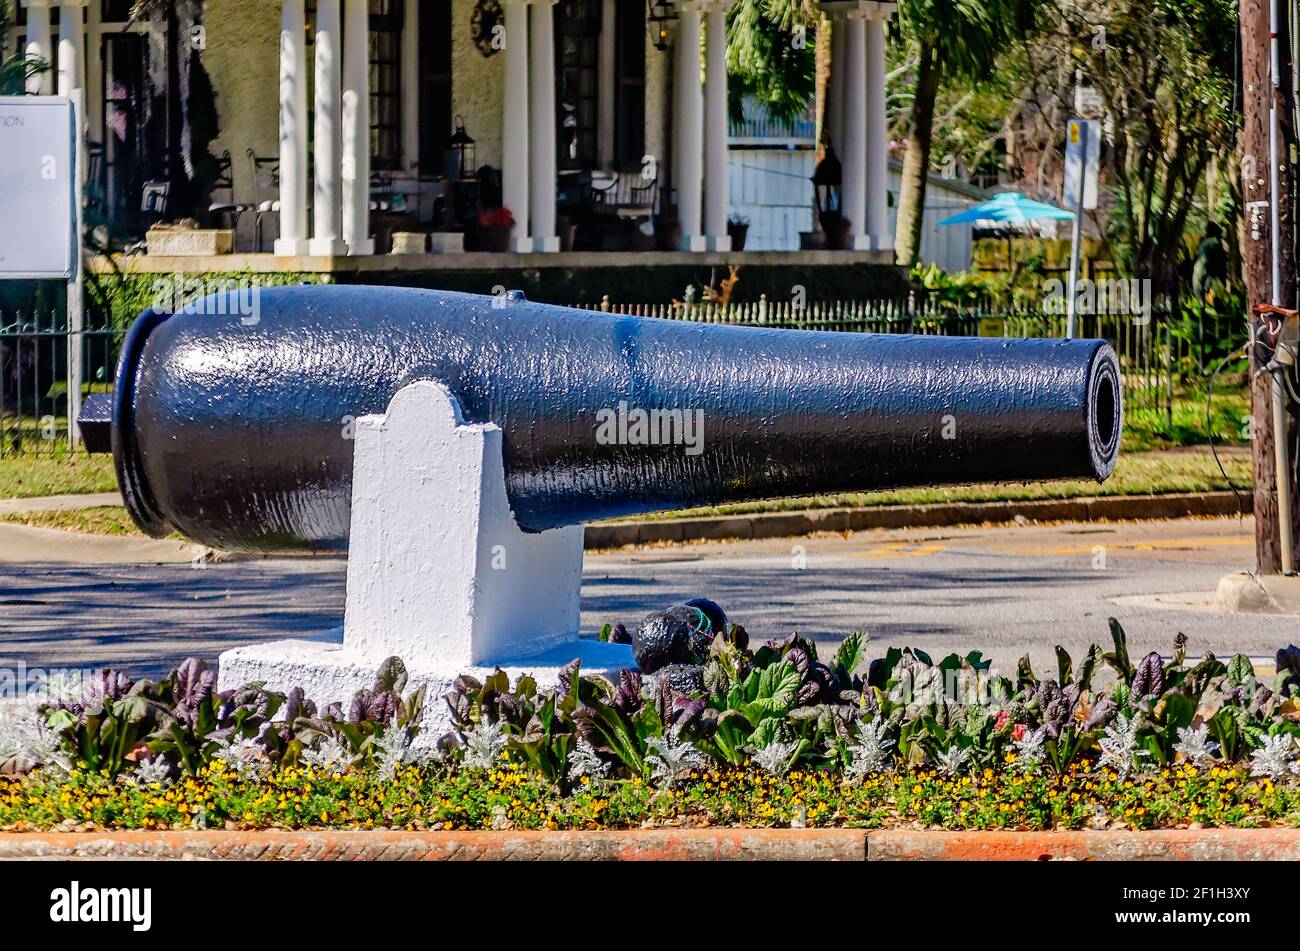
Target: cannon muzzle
column 233, row 424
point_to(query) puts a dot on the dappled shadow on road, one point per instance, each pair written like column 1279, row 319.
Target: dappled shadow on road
column 895, row 604
column 147, row 619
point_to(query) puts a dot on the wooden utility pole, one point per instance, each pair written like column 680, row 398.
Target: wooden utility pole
column 1257, row 96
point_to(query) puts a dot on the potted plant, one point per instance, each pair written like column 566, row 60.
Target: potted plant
column 668, row 232
column 737, row 230
column 836, row 228
column 494, row 229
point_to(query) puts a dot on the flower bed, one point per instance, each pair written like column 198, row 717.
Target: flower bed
column 516, row 797
column 766, row 737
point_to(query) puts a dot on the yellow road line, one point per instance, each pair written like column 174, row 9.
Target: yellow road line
column 1153, row 545
column 896, row 551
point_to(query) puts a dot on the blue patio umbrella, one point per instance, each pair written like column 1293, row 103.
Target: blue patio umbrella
column 1010, row 208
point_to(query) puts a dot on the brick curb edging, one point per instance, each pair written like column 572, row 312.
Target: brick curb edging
column 934, row 515
column 650, row 844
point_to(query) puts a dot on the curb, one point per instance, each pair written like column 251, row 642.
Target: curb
column 934, row 515
column 1202, row 845
column 853, row 845
column 641, row 844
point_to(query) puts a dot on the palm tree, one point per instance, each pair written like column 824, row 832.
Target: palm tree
column 951, row 39
column 771, row 55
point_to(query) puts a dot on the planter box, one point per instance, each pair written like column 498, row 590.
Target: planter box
column 409, row 242
column 196, row 242
column 447, row 242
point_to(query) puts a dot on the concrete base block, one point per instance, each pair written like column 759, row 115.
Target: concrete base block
column 329, row 671
column 1244, row 593
column 438, row 574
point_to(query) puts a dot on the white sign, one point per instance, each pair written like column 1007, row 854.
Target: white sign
column 1088, row 102
column 1082, row 156
column 37, row 187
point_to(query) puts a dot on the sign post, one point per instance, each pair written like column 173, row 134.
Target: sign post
column 41, row 170
column 1082, row 156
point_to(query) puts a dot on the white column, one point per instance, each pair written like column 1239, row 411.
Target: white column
column 410, row 85
column 514, row 122
column 879, row 231
column 689, row 133
column 327, row 206
column 71, row 42
column 355, row 166
column 715, row 128
column 293, row 130
column 835, row 85
column 541, row 98
column 607, row 83
column 853, row 193
column 39, row 45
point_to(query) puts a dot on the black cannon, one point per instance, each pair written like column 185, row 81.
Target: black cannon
column 234, row 428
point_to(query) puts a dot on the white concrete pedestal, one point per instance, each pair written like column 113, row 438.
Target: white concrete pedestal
column 438, row 573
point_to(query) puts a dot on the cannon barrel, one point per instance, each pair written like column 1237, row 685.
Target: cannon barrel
column 234, row 427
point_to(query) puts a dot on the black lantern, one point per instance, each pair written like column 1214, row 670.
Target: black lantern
column 659, row 16
column 462, row 148
column 826, row 183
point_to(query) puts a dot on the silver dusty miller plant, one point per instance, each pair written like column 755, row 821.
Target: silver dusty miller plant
column 332, row 754
column 871, row 751
column 154, row 772
column 245, row 756
column 1030, row 751
column 392, row 749
column 1119, row 745
column 1275, row 759
column 952, row 760
column 1195, row 744
column 484, row 744
column 775, row 757
column 584, row 761
column 671, row 758
column 26, row 741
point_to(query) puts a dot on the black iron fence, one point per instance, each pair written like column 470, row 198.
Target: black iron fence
column 1161, row 349
column 34, row 387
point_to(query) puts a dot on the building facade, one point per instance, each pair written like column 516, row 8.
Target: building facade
column 330, row 125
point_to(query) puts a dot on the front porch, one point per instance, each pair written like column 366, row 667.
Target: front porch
column 591, row 125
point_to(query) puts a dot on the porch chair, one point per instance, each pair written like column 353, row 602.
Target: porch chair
column 94, row 186
column 225, row 182
column 266, row 191
column 155, row 202
column 629, row 196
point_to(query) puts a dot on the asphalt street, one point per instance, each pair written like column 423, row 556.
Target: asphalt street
column 1006, row 590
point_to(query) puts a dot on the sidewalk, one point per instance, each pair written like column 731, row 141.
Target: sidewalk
column 59, row 503
column 28, row 544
